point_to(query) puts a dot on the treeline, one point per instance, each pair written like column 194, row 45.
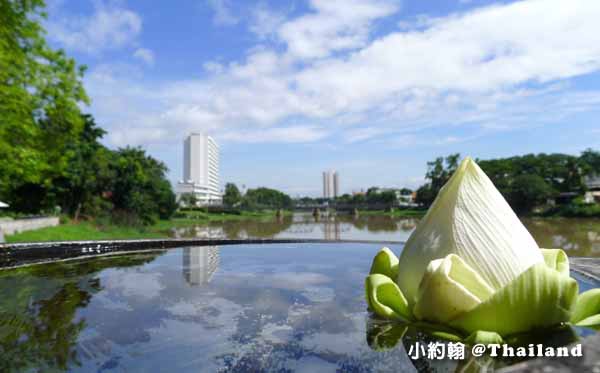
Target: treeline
column 373, row 196
column 256, row 199
column 525, row 181
column 50, row 154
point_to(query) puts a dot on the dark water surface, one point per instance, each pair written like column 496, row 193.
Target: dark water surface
column 257, row 308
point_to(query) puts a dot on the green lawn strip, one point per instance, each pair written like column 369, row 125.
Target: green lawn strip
column 88, row 230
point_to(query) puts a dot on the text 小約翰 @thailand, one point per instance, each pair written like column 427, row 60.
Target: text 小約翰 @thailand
column 456, row 351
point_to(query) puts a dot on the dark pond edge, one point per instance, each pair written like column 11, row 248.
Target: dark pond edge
column 20, row 254
column 588, row 267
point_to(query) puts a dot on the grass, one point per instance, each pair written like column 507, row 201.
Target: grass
column 89, row 230
column 83, row 231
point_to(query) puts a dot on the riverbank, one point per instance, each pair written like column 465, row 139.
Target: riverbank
column 574, row 210
column 90, row 230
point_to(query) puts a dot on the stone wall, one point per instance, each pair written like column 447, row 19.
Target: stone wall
column 8, row 227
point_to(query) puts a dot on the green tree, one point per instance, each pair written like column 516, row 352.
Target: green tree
column 529, row 191
column 89, row 174
column 266, row 198
column 141, row 193
column 40, row 94
column 438, row 173
column 189, row 199
column 232, row 196
column 425, row 195
column 589, row 161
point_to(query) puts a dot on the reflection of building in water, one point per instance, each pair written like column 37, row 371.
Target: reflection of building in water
column 199, row 264
column 331, row 230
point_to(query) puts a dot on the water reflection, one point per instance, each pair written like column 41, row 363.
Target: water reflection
column 39, row 312
column 579, row 237
column 199, row 264
column 292, row 307
column 332, row 229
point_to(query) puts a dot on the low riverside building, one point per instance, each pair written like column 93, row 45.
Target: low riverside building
column 592, row 183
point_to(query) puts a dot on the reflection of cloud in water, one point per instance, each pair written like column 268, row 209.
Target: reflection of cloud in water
column 199, row 264
column 212, row 312
column 111, row 304
column 277, row 333
column 281, row 280
column 310, row 364
column 134, row 284
column 319, row 294
column 276, row 318
column 336, row 342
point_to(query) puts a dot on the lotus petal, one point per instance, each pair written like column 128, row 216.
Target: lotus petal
column 449, row 288
column 385, row 263
column 587, row 309
column 539, row 298
column 471, row 219
column 385, row 298
column 556, row 259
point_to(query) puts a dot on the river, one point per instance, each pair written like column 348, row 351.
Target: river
column 578, row 237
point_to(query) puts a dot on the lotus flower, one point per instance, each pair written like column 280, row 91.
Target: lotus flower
column 472, row 266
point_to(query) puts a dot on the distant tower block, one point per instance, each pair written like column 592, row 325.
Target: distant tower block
column 331, row 184
column 336, row 184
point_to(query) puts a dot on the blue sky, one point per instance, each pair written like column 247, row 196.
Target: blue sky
column 372, row 88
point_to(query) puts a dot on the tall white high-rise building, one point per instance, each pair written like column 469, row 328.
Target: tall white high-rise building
column 331, row 184
column 201, row 169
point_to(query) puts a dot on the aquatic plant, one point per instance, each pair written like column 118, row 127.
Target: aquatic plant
column 472, row 272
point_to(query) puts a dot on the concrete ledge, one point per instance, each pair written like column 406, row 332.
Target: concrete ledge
column 9, row 227
column 18, row 254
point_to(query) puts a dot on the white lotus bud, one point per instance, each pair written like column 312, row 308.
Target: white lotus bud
column 471, row 219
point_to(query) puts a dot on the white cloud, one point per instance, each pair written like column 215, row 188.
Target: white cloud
column 335, row 25
column 144, row 54
column 109, row 27
column 465, row 69
column 292, row 134
column 223, row 15
column 265, row 21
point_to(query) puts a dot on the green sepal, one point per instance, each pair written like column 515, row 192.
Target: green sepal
column 439, row 330
column 385, row 263
column 539, row 298
column 385, row 298
column 484, row 337
column 556, row 259
column 587, row 309
column 381, row 337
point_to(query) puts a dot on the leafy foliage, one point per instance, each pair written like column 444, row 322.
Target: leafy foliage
column 40, row 93
column 525, row 181
column 51, row 153
column 232, row 196
column 438, row 173
column 266, row 198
